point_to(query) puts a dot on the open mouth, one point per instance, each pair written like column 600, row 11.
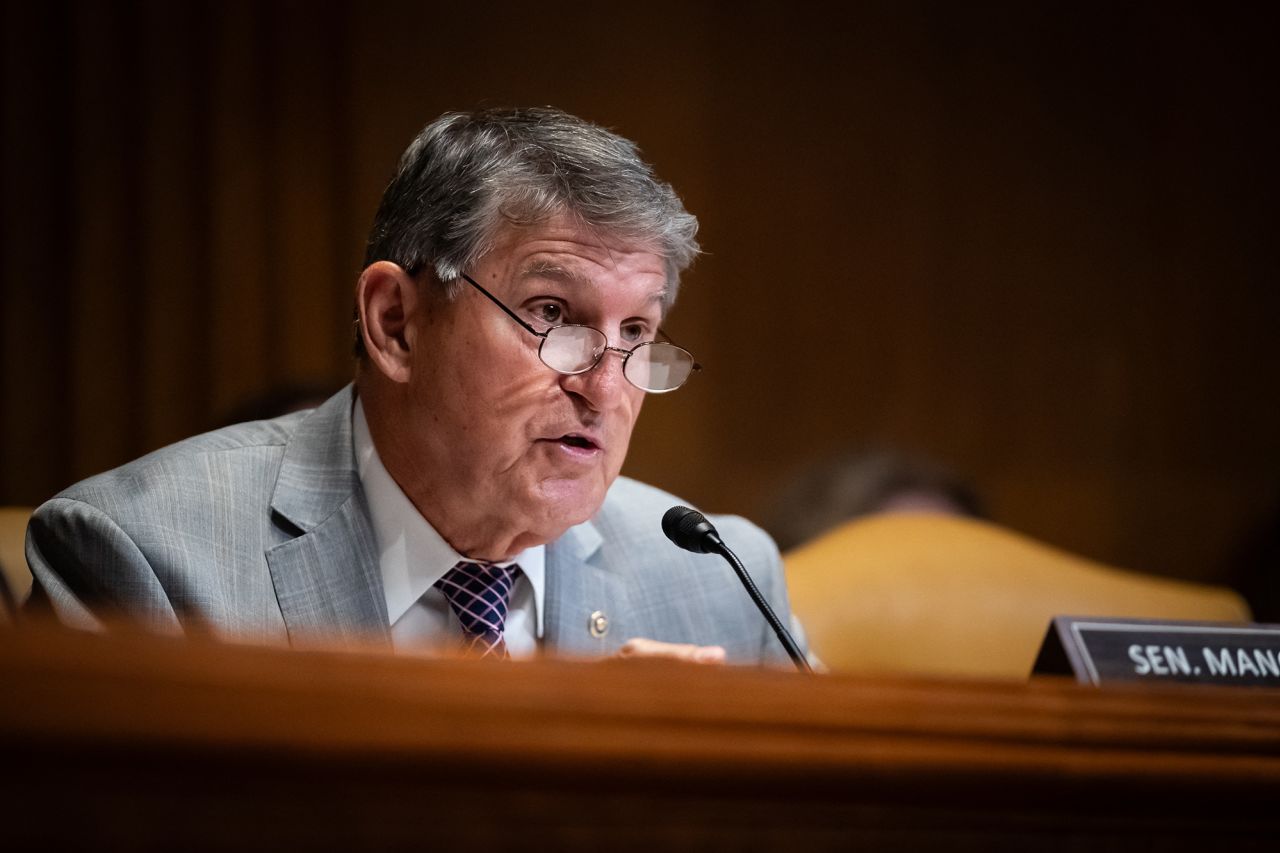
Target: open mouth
column 578, row 441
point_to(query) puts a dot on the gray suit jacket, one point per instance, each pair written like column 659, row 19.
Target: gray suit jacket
column 260, row 532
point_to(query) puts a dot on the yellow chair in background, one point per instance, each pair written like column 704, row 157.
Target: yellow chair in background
column 15, row 576
column 944, row 595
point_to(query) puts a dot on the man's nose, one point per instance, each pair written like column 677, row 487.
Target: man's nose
column 603, row 385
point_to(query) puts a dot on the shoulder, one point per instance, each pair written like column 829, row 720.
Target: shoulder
column 635, row 510
column 230, row 459
column 678, row 596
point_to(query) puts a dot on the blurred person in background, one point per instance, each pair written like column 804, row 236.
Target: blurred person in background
column 831, row 491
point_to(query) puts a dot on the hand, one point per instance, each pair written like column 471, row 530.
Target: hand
column 640, row 647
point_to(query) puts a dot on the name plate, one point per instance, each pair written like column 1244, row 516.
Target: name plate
column 1102, row 651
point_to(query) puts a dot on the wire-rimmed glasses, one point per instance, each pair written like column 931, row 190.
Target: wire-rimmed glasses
column 653, row 366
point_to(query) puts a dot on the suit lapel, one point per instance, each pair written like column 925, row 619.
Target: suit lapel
column 579, row 587
column 326, row 578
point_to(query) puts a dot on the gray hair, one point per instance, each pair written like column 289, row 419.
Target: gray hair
column 468, row 175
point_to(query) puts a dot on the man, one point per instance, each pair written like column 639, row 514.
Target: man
column 465, row 490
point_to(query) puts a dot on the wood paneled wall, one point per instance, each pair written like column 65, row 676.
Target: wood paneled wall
column 1031, row 240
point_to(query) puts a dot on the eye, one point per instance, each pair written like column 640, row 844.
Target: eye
column 635, row 332
column 549, row 313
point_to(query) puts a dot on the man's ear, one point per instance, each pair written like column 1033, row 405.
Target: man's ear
column 387, row 299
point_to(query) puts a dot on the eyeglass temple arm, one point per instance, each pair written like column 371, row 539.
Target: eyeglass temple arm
column 530, row 329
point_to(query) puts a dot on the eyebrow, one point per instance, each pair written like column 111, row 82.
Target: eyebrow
column 548, row 269
column 556, row 272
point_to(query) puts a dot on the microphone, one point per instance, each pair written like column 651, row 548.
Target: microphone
column 690, row 530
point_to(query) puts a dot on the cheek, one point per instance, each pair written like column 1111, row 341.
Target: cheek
column 494, row 382
column 621, row 438
column 631, row 411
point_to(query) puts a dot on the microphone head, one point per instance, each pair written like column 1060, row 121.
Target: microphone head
column 690, row 530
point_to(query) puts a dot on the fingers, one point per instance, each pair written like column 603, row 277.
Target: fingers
column 642, row 647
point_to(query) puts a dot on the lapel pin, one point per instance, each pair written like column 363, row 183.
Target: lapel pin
column 598, row 624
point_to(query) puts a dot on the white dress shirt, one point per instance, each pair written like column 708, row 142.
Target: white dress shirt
column 413, row 556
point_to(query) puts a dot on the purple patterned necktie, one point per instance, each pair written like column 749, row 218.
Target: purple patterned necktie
column 479, row 594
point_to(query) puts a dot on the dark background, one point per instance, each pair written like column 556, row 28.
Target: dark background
column 1031, row 240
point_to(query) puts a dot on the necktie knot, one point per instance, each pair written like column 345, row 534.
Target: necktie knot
column 479, row 594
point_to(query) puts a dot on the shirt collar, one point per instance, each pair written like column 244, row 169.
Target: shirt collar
column 412, row 555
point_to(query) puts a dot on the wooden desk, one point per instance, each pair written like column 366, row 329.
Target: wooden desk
column 142, row 743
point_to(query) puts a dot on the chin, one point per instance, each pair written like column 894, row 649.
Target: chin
column 570, row 502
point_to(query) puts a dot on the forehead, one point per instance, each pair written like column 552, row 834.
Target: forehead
column 562, row 250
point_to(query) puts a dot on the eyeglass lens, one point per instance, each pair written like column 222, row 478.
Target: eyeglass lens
column 572, row 349
column 653, row 366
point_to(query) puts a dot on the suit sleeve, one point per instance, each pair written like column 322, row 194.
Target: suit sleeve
column 87, row 568
column 780, row 600
column 766, row 567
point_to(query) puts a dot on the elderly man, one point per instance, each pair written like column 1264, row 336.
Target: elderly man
column 465, row 491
